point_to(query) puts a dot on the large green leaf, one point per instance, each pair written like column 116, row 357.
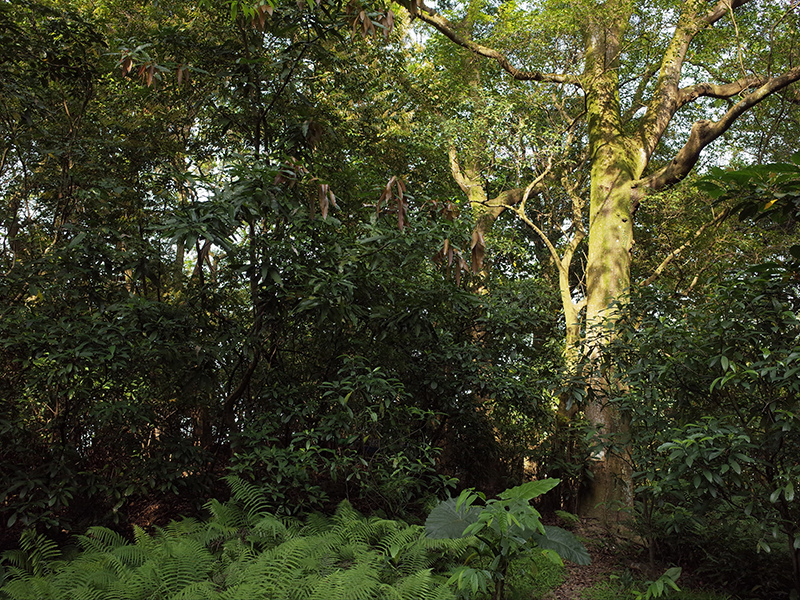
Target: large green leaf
column 564, row 543
column 445, row 521
column 529, row 490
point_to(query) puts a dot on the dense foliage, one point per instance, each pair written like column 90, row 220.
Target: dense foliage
column 244, row 551
column 250, row 289
column 335, row 260
column 711, row 388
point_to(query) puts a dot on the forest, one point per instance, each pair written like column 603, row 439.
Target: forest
column 365, row 299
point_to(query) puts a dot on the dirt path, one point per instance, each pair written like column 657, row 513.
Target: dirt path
column 605, row 560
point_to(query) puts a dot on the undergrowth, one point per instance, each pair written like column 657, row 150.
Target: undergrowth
column 626, row 587
column 532, row 576
column 243, row 552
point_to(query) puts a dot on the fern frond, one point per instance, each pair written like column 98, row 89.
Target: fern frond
column 246, row 591
column 388, row 592
column 345, row 513
column 202, row 590
column 187, row 526
column 185, row 562
column 89, row 574
column 228, row 514
column 270, row 574
column 454, row 546
column 37, row 553
column 316, row 524
column 290, row 555
column 423, row 585
column 357, row 583
column 268, row 529
column 88, row 593
column 250, row 495
column 101, row 539
column 216, row 535
column 31, row 588
column 129, row 557
column 143, row 539
column 18, row 561
column 405, row 551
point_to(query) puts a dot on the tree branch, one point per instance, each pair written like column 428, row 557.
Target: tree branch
column 704, row 132
column 429, row 16
column 455, row 169
column 636, row 102
column 720, row 9
column 675, row 253
column 520, row 212
column 725, row 90
column 665, row 101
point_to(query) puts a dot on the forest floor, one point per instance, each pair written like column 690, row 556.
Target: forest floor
column 607, row 558
column 617, row 560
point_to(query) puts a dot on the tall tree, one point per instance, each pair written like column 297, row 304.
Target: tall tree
column 660, row 82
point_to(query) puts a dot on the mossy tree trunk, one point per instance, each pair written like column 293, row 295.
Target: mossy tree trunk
column 614, row 166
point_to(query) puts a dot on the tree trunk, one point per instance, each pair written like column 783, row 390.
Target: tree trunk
column 615, row 164
column 607, row 283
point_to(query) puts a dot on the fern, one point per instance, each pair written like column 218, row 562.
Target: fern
column 101, row 539
column 405, row 550
column 31, row 588
column 35, row 555
column 241, row 553
column 316, row 523
column 202, row 590
column 357, row 583
column 250, row 496
column 422, row 584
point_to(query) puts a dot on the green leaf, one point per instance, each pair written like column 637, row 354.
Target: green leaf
column 564, row 543
column 788, row 492
column 552, row 556
column 446, row 521
column 530, row 490
column 711, row 188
